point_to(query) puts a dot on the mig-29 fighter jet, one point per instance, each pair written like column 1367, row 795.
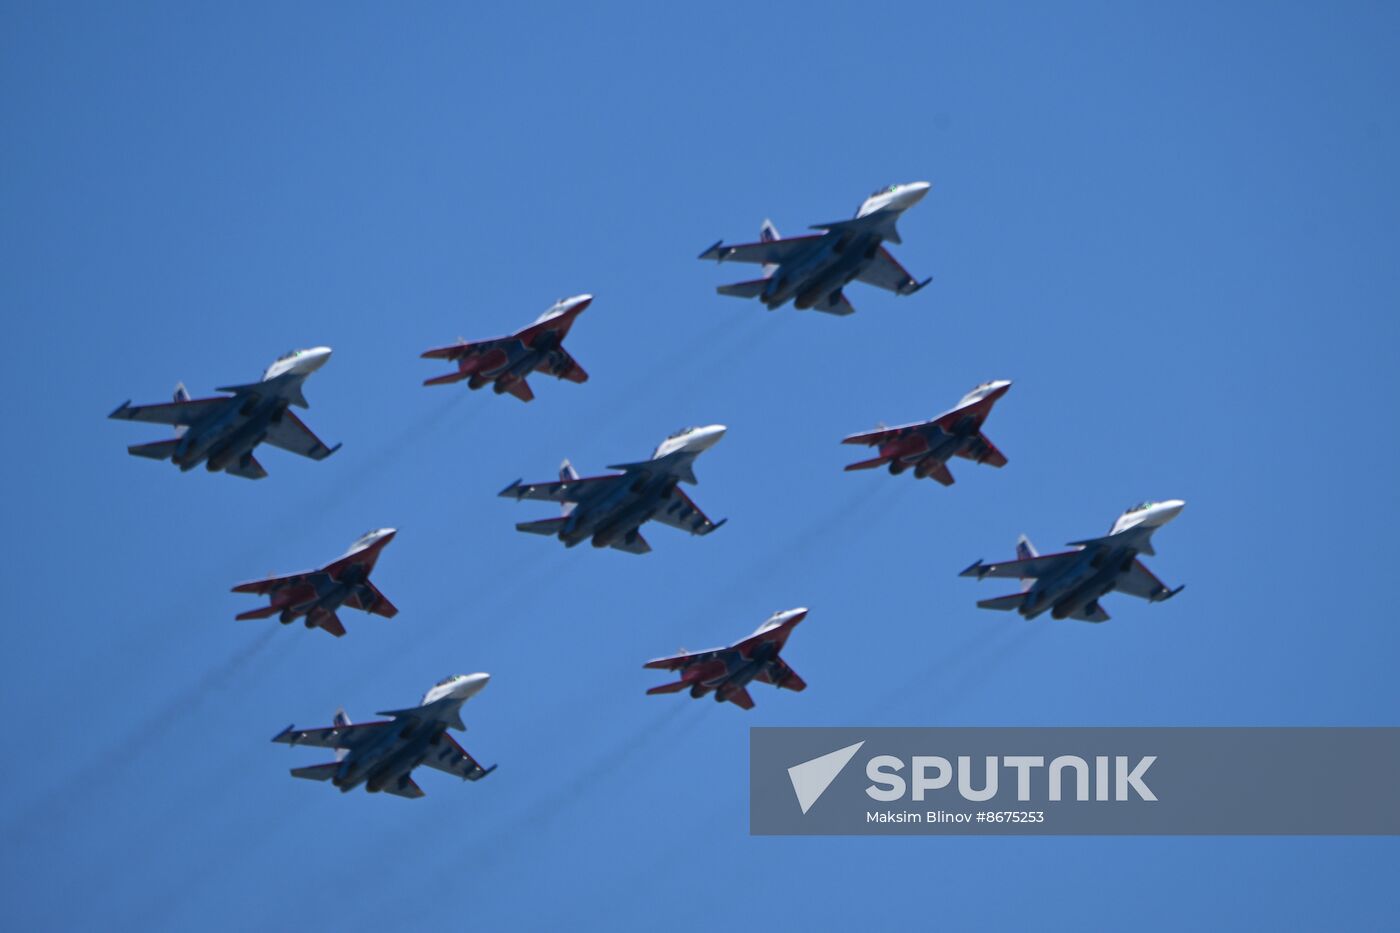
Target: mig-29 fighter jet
column 927, row 445
column 610, row 509
column 317, row 594
column 382, row 755
column 221, row 432
column 506, row 361
column 728, row 671
column 1070, row 584
column 812, row 270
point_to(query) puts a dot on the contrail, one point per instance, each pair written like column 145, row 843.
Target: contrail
column 128, row 750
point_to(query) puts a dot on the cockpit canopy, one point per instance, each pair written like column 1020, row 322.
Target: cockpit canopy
column 886, row 190
column 1139, row 507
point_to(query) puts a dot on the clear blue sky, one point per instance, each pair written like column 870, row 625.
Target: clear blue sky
column 1174, row 227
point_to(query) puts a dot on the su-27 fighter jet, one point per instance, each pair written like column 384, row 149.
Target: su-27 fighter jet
column 506, row 361
column 812, row 270
column 382, row 755
column 1070, row 584
column 728, row 671
column 927, row 445
column 317, row 594
column 221, row 432
column 610, row 509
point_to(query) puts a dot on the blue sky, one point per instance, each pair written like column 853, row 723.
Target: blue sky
column 1174, row 228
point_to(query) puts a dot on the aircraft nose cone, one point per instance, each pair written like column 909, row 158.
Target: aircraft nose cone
column 708, row 436
column 913, row 193
column 793, row 615
column 475, row 683
column 579, row 302
column 313, row 359
column 1170, row 509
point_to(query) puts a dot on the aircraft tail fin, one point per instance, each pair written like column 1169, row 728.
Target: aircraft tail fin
column 340, row 721
column 768, row 234
column 182, row 394
column 318, row 772
column 567, row 474
column 1025, row 551
column 156, row 450
column 1008, row 603
column 544, row 526
column 324, row 618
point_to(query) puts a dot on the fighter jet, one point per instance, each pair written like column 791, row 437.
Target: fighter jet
column 382, row 755
column 610, row 509
column 1070, row 584
column 728, row 671
column 506, row 361
column 812, row 270
column 221, row 432
column 927, row 445
column 317, row 594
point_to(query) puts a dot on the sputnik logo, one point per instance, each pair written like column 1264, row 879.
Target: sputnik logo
column 810, row 779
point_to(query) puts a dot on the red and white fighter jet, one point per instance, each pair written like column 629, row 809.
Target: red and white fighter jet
column 928, row 445
column 317, row 594
column 506, row 361
column 728, row 671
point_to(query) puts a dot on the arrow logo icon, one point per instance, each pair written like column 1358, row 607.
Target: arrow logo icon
column 810, row 779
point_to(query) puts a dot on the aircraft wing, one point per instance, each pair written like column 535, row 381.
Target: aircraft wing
column 880, row 435
column 1034, row 567
column 884, row 271
column 679, row 511
column 568, row 490
column 1143, row 583
column 678, row 661
column 450, row 757
column 559, row 363
column 462, row 348
column 774, row 252
column 175, row 413
column 276, row 583
column 367, row 598
column 983, row 451
column 333, row 736
column 292, row 435
column 778, row 673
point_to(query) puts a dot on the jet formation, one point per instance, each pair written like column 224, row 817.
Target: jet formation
column 315, row 595
column 1069, row 585
column 506, row 361
column 222, row 432
column 382, row 755
column 926, row 446
column 611, row 509
column 811, row 271
column 728, row 671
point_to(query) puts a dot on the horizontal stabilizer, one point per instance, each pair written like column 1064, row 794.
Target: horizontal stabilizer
column 317, row 772
column 1007, row 603
column 633, row 543
column 443, row 380
column 157, row 450
column 545, row 526
column 868, row 464
column 676, row 687
column 519, row 388
column 262, row 613
column 750, row 289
